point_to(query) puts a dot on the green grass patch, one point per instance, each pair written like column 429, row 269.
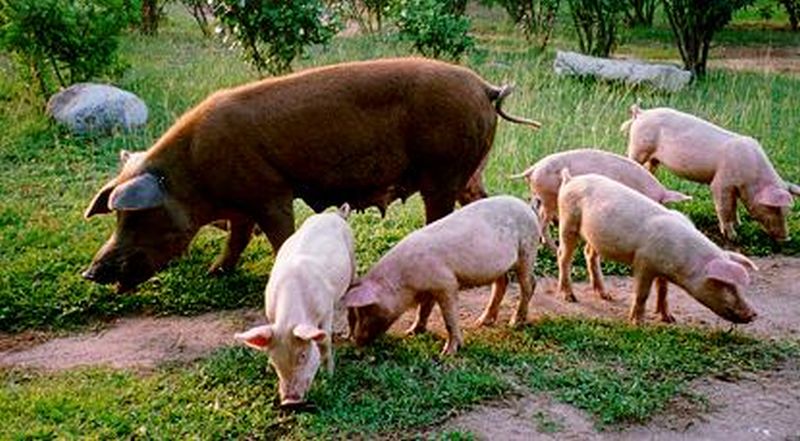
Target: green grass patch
column 47, row 176
column 616, row 372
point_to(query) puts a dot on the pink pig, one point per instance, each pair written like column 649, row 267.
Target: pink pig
column 312, row 271
column 734, row 165
column 544, row 179
column 661, row 245
column 473, row 246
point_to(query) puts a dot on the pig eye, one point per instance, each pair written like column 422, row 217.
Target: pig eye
column 301, row 357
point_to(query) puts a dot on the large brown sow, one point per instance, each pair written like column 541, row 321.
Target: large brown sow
column 365, row 133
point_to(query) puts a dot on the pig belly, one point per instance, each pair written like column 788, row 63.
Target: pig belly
column 613, row 238
column 690, row 158
column 482, row 258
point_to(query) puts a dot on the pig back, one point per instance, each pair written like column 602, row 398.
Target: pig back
column 613, row 217
column 358, row 132
column 587, row 160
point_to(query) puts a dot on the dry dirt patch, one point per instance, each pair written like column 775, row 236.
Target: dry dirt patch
column 762, row 59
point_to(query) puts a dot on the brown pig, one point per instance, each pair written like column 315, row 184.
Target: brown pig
column 311, row 273
column 544, row 180
column 476, row 245
column 661, row 245
column 365, row 133
column 734, row 165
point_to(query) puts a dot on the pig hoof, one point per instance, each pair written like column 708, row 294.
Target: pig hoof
column 218, row 270
column 485, row 321
column 570, row 297
column 516, row 323
column 667, row 318
column 415, row 330
column 605, row 296
column 449, row 350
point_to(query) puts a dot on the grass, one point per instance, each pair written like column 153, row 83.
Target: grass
column 617, row 373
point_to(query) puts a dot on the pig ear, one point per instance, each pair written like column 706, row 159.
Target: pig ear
column 259, row 337
column 360, row 295
column 344, row 211
column 99, row 204
column 139, row 193
column 308, row 332
column 124, row 155
column 675, row 196
column 727, row 271
column 742, row 260
column 774, row 196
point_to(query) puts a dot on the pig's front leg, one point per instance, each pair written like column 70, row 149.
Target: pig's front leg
column 420, row 325
column 568, row 240
column 326, row 345
column 595, row 274
column 642, row 282
column 448, row 304
column 662, row 307
column 725, row 203
column 241, row 228
column 489, row 315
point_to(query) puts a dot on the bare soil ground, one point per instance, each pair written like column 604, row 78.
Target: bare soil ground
column 762, row 59
column 764, row 406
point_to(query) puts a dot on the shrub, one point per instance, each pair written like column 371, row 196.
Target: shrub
column 69, row 40
column 433, row 29
column 536, row 18
column 694, row 23
column 273, row 33
column 368, row 14
column 793, row 9
column 596, row 24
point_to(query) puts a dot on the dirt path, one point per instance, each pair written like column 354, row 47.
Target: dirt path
column 759, row 407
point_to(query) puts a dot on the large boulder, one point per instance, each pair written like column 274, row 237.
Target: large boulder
column 87, row 108
column 661, row 76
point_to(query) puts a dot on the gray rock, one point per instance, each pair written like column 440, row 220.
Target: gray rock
column 661, row 76
column 87, row 108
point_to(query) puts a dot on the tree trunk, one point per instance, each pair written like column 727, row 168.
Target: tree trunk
column 149, row 17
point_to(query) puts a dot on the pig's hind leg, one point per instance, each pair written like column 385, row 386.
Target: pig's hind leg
column 568, row 239
column 595, row 273
column 527, row 284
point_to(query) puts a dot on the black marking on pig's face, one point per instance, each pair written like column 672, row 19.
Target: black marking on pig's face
column 143, row 243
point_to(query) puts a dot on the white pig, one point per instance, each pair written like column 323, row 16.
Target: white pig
column 473, row 246
column 312, row 271
column 544, row 179
column 660, row 244
column 734, row 165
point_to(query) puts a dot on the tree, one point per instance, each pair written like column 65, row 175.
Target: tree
column 694, row 23
column 62, row 40
column 432, row 28
column 273, row 33
column 640, row 12
column 536, row 18
column 152, row 13
column 596, row 24
column 793, row 9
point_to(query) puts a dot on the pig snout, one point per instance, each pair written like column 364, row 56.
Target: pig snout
column 127, row 270
column 741, row 315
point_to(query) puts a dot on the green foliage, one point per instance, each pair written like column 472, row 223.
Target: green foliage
column 616, row 372
column 536, row 18
column 69, row 40
column 272, row 33
column 694, row 23
column 596, row 24
column 433, row 29
column 793, row 10
column 641, row 12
